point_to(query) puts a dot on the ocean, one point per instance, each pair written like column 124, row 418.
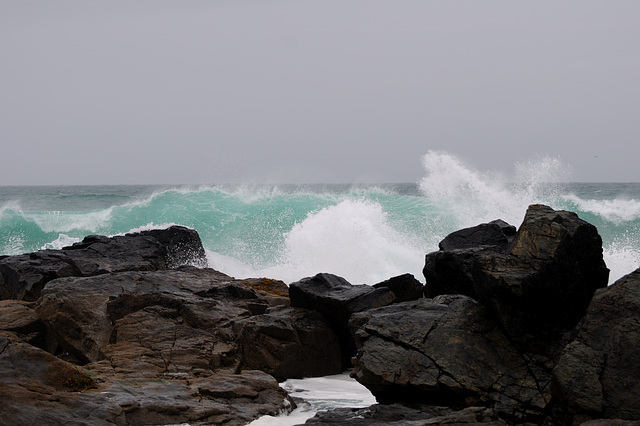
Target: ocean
column 365, row 233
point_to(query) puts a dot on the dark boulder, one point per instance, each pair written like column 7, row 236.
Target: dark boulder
column 183, row 245
column 290, row 343
column 20, row 318
column 497, row 233
column 451, row 271
column 527, row 329
column 117, row 338
column 336, row 299
column 545, row 283
column 404, row 287
column 182, row 319
column 598, row 373
column 445, row 351
column 24, row 276
column 540, row 285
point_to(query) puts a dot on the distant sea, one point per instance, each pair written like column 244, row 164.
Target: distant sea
column 364, row 233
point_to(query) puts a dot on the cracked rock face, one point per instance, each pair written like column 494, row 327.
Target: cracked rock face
column 538, row 283
column 447, row 350
column 157, row 347
column 38, row 388
column 598, row 372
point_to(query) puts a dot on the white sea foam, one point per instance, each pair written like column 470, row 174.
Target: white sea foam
column 618, row 210
column 320, row 393
column 13, row 245
column 60, row 242
column 232, row 266
column 354, row 237
column 148, row 227
column 622, row 255
column 64, row 222
column 351, row 239
column 472, row 197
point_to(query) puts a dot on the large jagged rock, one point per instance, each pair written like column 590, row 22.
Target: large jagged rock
column 450, row 270
column 180, row 320
column 445, row 351
column 24, row 276
column 598, row 375
column 540, row 284
column 157, row 347
column 501, row 333
column 336, row 299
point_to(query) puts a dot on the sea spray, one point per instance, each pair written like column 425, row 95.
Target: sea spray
column 468, row 197
column 365, row 233
column 352, row 239
column 353, row 235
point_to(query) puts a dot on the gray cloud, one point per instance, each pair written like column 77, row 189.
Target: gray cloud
column 315, row 91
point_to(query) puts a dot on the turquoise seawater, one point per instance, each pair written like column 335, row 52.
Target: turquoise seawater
column 365, row 233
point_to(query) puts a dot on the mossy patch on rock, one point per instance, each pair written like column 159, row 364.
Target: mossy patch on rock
column 268, row 285
column 78, row 381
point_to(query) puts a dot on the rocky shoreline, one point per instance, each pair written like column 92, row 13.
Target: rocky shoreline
column 512, row 327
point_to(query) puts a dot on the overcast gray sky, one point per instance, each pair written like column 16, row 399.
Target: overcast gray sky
column 110, row 92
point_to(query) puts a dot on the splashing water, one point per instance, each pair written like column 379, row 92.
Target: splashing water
column 365, row 233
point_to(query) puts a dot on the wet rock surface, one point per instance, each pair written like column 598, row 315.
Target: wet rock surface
column 517, row 328
column 598, row 373
column 150, row 345
column 397, row 414
column 511, row 324
column 448, row 350
column 538, row 284
column 337, row 300
column 24, row 276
